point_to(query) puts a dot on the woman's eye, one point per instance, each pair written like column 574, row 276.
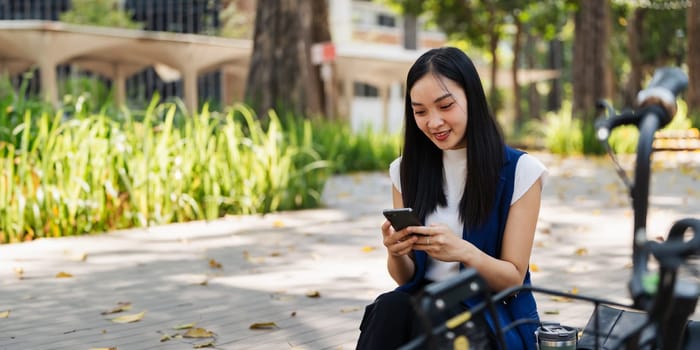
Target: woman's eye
column 447, row 106
column 419, row 112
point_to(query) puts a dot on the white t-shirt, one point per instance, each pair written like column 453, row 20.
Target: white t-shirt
column 527, row 171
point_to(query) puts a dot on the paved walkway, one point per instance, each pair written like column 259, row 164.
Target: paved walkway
column 304, row 276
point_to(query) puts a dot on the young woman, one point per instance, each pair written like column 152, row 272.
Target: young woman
column 479, row 201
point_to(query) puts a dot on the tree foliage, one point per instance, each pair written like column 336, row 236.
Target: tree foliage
column 106, row 13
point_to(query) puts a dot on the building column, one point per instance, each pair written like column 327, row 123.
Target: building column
column 119, row 82
column 190, row 84
column 384, row 94
column 47, row 73
column 345, row 105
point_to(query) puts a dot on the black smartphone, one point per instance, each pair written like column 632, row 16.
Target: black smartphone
column 401, row 218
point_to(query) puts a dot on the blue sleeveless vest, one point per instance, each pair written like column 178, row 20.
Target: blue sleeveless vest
column 489, row 237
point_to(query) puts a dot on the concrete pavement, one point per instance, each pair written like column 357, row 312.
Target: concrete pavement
column 304, row 277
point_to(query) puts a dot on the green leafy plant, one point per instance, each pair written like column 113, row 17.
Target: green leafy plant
column 92, row 171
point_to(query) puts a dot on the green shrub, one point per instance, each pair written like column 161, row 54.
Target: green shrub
column 84, row 172
column 561, row 132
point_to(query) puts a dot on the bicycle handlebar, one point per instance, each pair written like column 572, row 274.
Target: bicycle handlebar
column 663, row 89
column 675, row 250
column 661, row 93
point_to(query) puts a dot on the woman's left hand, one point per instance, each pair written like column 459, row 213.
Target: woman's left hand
column 441, row 243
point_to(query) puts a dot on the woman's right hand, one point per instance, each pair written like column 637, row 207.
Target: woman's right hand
column 397, row 243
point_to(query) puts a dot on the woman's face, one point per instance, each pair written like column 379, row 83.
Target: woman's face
column 440, row 110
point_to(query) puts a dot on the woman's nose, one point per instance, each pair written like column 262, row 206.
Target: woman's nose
column 435, row 121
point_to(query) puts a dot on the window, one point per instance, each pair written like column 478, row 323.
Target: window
column 365, row 90
column 386, row 20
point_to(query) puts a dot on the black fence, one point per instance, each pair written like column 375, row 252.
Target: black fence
column 179, row 16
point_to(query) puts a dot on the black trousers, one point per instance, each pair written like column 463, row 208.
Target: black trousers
column 391, row 322
column 388, row 323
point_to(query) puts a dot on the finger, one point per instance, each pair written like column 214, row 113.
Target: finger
column 421, row 230
column 395, row 246
column 386, row 229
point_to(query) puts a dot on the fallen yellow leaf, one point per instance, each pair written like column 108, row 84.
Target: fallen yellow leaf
column 165, row 338
column 121, row 306
column 263, row 325
column 278, row 223
column 5, row 314
column 204, row 345
column 214, row 264
column 184, row 326
column 368, row 249
column 534, row 267
column 129, row 318
column 551, row 312
column 313, row 294
column 63, row 275
column 80, row 257
column 560, row 299
column 198, row 333
column 581, row 251
column 349, row 309
column 19, row 272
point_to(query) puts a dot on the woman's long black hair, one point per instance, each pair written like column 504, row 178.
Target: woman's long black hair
column 422, row 179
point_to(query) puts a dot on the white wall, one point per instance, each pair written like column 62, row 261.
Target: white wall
column 367, row 111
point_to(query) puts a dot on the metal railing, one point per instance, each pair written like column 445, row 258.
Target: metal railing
column 180, row 16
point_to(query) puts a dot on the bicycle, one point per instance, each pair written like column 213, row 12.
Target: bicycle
column 662, row 303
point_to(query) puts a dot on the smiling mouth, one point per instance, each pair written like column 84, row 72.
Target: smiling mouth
column 441, row 136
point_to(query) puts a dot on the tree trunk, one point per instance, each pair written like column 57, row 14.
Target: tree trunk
column 410, row 31
column 494, row 101
column 533, row 95
column 282, row 76
column 590, row 71
column 693, row 95
column 634, row 45
column 517, row 111
column 556, row 61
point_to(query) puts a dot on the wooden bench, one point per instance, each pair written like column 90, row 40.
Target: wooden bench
column 677, row 140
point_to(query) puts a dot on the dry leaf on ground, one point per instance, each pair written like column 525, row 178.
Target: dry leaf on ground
column 368, row 249
column 534, row 267
column 63, row 275
column 313, row 294
column 581, row 251
column 5, row 314
column 121, row 306
column 129, row 318
column 198, row 333
column 215, row 264
column 263, row 325
column 561, row 299
column 204, row 345
column 19, row 272
column 184, row 326
column 278, row 223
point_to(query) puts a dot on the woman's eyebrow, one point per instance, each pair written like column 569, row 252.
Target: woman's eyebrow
column 442, row 97
column 434, row 101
